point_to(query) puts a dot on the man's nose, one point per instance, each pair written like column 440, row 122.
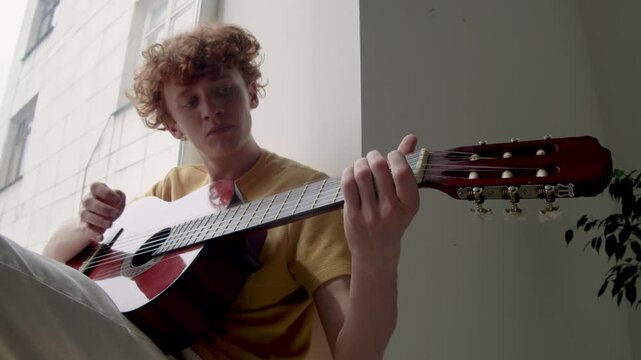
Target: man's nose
column 211, row 110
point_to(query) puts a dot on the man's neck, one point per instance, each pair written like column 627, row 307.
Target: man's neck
column 232, row 166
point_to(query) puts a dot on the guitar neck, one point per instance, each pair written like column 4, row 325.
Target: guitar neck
column 268, row 212
column 275, row 210
column 545, row 169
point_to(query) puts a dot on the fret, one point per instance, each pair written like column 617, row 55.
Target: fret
column 287, row 204
column 251, row 211
column 211, row 227
column 328, row 197
column 185, row 233
column 320, row 190
column 280, row 202
column 338, row 190
column 235, row 210
column 174, row 237
column 298, row 201
column 240, row 218
column 193, row 232
column 273, row 197
column 201, row 231
column 282, row 205
column 219, row 229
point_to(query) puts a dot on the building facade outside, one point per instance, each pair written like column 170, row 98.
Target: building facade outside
column 65, row 120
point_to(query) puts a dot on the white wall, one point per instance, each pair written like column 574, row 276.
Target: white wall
column 456, row 72
column 311, row 111
column 613, row 32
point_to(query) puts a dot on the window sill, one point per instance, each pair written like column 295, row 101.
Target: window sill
column 36, row 44
column 3, row 188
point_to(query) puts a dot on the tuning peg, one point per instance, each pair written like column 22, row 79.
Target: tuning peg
column 513, row 211
column 551, row 211
column 478, row 211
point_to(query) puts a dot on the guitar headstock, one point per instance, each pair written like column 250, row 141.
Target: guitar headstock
column 545, row 169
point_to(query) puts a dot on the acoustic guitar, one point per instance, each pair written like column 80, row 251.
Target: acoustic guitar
column 173, row 268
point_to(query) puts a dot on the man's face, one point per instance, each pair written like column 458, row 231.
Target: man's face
column 212, row 112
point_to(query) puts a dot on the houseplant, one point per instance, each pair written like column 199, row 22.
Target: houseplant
column 619, row 235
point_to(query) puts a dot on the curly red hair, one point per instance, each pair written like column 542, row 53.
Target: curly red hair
column 186, row 58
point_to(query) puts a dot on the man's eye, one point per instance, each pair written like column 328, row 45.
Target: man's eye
column 223, row 90
column 190, row 103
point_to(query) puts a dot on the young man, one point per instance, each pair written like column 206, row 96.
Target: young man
column 201, row 86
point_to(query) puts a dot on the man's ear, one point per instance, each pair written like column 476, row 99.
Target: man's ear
column 175, row 131
column 253, row 95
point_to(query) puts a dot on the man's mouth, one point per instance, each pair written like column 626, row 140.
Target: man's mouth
column 219, row 129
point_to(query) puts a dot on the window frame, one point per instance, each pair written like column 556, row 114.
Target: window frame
column 43, row 17
column 16, row 144
column 139, row 33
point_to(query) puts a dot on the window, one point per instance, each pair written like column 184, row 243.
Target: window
column 154, row 21
column 168, row 17
column 16, row 144
column 42, row 23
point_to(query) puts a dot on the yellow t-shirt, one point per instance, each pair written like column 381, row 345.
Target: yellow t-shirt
column 272, row 316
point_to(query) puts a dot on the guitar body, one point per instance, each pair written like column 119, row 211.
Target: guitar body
column 176, row 297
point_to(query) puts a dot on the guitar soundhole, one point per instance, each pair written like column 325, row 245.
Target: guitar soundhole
column 145, row 252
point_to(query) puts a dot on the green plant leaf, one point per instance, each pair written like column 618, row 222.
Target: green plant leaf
column 620, row 251
column 636, row 248
column 618, row 173
column 582, row 221
column 590, row 225
column 569, row 234
column 624, row 234
column 598, row 244
column 627, row 272
column 619, row 298
column 637, row 208
column 610, row 245
column 603, row 288
column 611, row 224
column 631, row 293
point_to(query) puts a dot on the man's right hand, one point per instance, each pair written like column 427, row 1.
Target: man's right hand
column 100, row 208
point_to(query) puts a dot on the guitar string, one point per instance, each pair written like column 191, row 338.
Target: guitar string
column 318, row 198
column 410, row 158
column 218, row 225
column 146, row 248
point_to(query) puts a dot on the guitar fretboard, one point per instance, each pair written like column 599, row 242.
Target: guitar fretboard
column 268, row 212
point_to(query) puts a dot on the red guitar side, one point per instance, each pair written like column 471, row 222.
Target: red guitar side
column 173, row 268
